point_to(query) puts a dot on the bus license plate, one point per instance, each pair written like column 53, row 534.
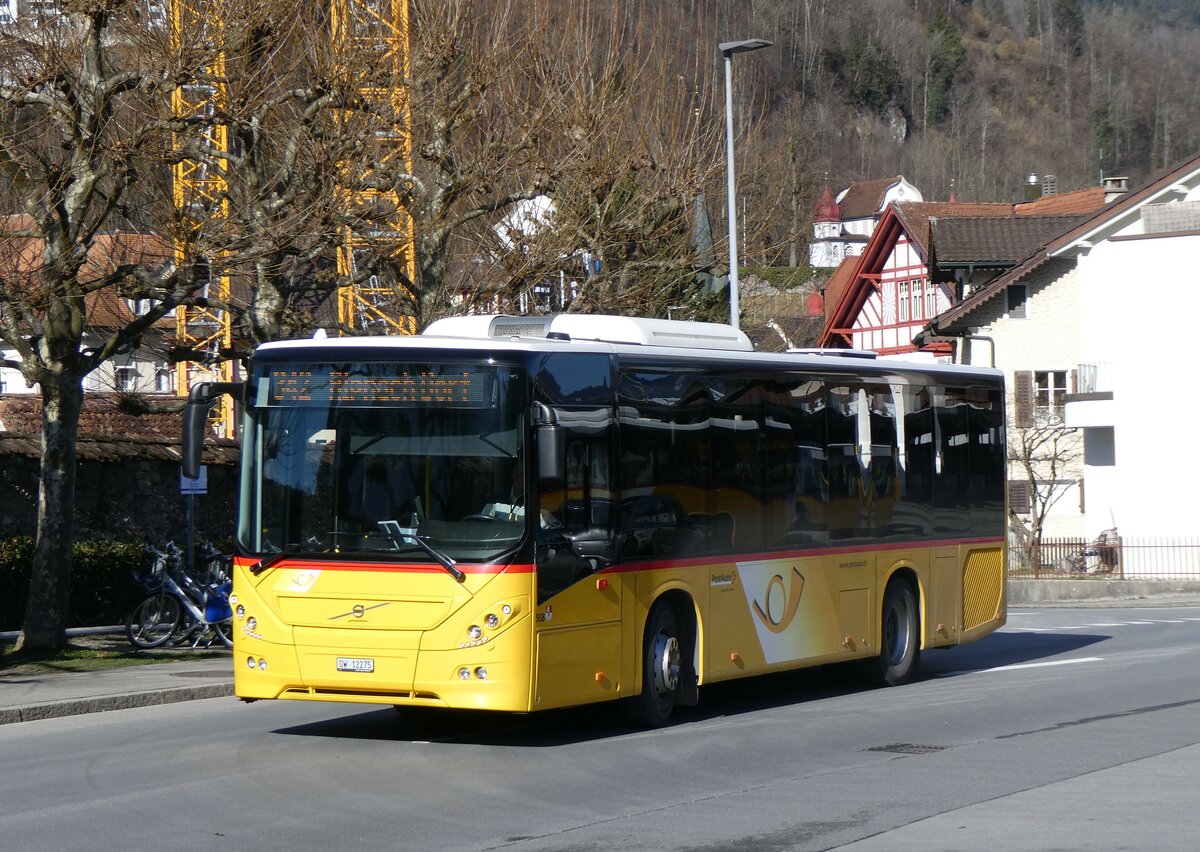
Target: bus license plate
column 355, row 664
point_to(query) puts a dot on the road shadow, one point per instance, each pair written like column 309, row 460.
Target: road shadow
column 554, row 728
column 1002, row 649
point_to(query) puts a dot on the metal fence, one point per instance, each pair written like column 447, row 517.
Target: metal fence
column 1122, row 559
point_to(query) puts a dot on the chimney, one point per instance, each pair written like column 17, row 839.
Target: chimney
column 1049, row 185
column 1114, row 188
column 1032, row 192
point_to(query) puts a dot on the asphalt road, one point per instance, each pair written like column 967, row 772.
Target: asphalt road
column 1071, row 728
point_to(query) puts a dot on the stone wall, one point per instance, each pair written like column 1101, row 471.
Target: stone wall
column 126, row 498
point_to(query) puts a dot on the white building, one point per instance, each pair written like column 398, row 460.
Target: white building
column 843, row 225
column 1078, row 327
column 143, row 368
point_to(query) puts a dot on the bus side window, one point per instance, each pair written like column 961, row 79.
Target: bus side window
column 581, row 537
column 882, row 470
column 586, row 509
column 845, row 462
column 915, row 509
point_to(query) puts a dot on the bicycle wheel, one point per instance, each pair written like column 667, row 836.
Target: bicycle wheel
column 224, row 630
column 153, row 621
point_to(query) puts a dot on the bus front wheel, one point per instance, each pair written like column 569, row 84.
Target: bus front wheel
column 652, row 707
column 899, row 645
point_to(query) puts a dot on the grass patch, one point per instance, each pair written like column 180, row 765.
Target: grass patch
column 95, row 656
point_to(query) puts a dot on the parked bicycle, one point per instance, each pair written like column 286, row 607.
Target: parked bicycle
column 180, row 608
column 1101, row 556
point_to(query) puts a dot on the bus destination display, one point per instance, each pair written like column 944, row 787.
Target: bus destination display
column 379, row 384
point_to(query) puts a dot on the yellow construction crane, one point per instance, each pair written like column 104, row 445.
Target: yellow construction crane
column 377, row 29
column 359, row 28
column 200, row 194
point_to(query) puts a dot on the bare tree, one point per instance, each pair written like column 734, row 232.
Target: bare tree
column 78, row 125
column 516, row 101
column 1046, row 454
column 87, row 139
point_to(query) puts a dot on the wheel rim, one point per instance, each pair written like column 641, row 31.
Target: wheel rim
column 156, row 620
column 666, row 663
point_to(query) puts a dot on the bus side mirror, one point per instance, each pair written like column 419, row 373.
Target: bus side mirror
column 195, row 420
column 551, row 442
column 551, row 453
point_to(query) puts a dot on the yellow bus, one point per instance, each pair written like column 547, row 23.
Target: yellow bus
column 522, row 513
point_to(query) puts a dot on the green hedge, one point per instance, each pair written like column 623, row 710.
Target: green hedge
column 782, row 276
column 102, row 590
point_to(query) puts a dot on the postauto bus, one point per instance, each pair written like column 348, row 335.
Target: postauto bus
column 521, row 513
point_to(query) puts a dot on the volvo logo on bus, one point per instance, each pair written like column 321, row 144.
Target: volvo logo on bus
column 358, row 611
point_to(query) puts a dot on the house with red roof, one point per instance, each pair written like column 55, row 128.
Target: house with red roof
column 1067, row 325
column 925, row 257
column 141, row 370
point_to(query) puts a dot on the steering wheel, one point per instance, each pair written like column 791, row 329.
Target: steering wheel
column 480, row 517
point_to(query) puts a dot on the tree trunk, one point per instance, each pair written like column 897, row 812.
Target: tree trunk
column 46, row 613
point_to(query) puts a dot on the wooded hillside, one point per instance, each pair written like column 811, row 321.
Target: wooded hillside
column 963, row 95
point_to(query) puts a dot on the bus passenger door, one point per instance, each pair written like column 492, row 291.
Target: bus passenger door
column 578, row 644
column 578, row 636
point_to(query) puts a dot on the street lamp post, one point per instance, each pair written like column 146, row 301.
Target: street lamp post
column 728, row 49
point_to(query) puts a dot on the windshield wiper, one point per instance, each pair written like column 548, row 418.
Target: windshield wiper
column 272, row 560
column 399, row 535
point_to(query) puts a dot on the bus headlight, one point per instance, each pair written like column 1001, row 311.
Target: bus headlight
column 481, row 673
column 492, row 620
column 464, row 674
column 474, row 632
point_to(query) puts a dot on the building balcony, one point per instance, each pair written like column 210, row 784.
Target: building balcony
column 1092, row 403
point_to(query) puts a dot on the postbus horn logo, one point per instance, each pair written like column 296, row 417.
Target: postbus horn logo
column 775, row 621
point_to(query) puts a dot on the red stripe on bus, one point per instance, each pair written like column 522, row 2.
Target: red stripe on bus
column 629, row 567
column 404, row 567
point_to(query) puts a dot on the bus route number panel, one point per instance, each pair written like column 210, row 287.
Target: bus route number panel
column 382, row 384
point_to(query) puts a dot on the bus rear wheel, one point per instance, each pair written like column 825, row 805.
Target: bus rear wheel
column 899, row 645
column 652, row 707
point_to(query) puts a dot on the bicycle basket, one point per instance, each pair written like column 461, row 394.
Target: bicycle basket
column 152, row 576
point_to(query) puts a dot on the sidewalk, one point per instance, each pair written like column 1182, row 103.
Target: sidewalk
column 25, row 697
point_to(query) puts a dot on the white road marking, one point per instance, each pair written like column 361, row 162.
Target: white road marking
column 1015, row 666
column 1011, row 629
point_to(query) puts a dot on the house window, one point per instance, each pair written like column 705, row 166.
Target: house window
column 903, row 301
column 162, row 378
column 1049, row 389
column 127, row 378
column 930, row 300
column 1016, row 295
column 141, row 307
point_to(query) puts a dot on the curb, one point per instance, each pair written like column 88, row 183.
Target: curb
column 78, row 706
column 1092, row 592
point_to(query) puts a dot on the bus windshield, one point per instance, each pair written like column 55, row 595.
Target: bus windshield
column 334, row 449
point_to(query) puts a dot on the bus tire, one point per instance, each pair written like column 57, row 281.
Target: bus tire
column 899, row 637
column 652, row 707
